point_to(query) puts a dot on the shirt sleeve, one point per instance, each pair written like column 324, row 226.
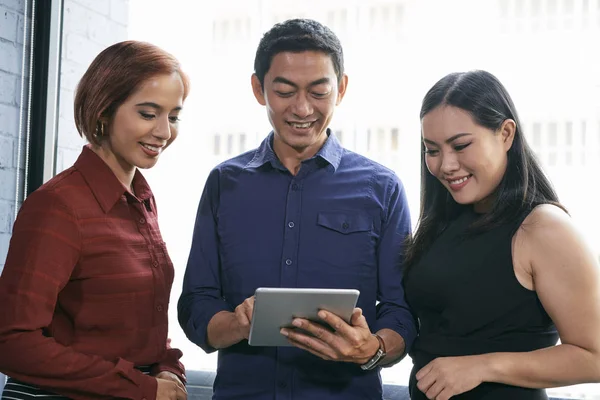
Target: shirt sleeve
column 393, row 311
column 201, row 296
column 171, row 363
column 44, row 250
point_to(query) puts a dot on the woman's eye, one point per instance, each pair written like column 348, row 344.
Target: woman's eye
column 146, row 116
column 460, row 147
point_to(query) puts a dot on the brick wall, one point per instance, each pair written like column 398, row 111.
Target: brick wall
column 11, row 50
column 89, row 26
column 12, row 14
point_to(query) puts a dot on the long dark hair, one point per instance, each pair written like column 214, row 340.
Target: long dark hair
column 524, row 184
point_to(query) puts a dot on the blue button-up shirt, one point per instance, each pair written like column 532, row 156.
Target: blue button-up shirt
column 339, row 223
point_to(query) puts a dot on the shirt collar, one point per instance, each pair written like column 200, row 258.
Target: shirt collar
column 103, row 183
column 331, row 152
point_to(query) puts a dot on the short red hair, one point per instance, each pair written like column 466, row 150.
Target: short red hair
column 113, row 76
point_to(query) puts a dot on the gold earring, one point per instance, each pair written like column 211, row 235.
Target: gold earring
column 99, row 129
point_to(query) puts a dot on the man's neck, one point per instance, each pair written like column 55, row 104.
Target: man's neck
column 292, row 158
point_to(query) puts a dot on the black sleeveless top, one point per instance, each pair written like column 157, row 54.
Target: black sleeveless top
column 468, row 301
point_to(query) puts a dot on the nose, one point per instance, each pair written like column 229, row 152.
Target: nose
column 302, row 107
column 450, row 163
column 163, row 129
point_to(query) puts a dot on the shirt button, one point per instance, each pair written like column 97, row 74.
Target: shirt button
column 345, row 225
column 291, row 224
column 294, row 187
column 159, row 308
column 155, row 264
column 142, row 221
column 288, row 262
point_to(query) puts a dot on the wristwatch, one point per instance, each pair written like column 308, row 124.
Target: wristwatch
column 372, row 363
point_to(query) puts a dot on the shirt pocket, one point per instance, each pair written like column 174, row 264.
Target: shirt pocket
column 345, row 223
column 345, row 240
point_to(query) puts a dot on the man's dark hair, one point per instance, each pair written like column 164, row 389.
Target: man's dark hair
column 298, row 35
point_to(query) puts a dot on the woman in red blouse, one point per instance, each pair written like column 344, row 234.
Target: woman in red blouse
column 85, row 288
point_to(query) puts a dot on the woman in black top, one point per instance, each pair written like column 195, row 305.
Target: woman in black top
column 495, row 271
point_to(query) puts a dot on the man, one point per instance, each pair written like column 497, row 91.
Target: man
column 299, row 211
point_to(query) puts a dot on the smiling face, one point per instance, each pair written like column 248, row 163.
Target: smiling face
column 468, row 159
column 300, row 93
column 143, row 126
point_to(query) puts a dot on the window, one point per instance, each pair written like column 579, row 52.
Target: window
column 569, row 7
column 229, row 144
column 220, row 99
column 225, row 29
column 585, row 7
column 399, row 17
column 343, row 21
column 536, row 7
column 380, row 139
column 217, row 144
column 598, row 139
column 519, row 8
column 331, row 19
column 569, row 133
column 537, row 135
column 243, row 142
column 552, row 134
column 504, row 5
column 394, row 141
column 374, row 17
column 340, row 135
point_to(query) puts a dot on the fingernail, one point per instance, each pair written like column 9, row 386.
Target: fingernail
column 284, row 332
column 297, row 323
column 322, row 314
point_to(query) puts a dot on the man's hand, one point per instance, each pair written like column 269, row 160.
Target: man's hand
column 243, row 317
column 227, row 328
column 348, row 342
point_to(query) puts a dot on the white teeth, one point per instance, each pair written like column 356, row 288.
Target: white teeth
column 156, row 149
column 304, row 125
column 458, row 181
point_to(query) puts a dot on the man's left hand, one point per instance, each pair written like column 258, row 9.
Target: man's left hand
column 347, row 342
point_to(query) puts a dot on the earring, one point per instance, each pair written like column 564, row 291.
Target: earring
column 99, row 129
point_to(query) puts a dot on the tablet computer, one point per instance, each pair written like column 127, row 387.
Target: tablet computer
column 275, row 308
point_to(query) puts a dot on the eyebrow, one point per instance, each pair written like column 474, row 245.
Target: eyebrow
column 155, row 106
column 450, row 140
column 280, row 79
